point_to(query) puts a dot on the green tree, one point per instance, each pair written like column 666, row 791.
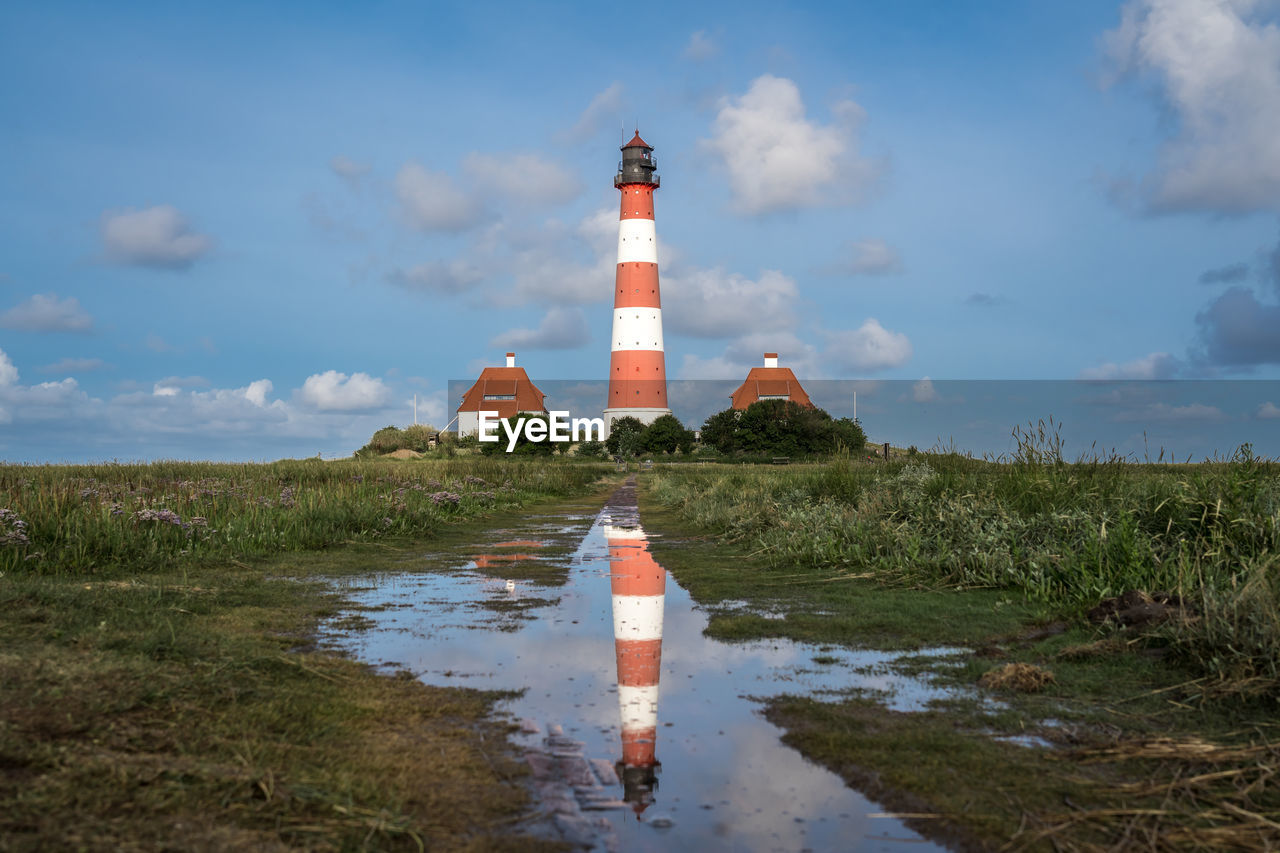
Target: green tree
column 591, row 450
column 524, row 447
column 665, row 435
column 624, row 437
column 386, row 440
column 849, row 435
column 721, row 431
column 418, row 437
column 781, row 428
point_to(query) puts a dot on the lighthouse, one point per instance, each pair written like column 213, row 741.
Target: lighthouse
column 638, row 585
column 637, row 369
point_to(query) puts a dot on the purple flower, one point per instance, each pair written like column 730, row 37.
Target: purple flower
column 164, row 516
column 13, row 530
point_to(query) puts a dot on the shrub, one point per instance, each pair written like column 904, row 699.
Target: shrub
column 625, row 437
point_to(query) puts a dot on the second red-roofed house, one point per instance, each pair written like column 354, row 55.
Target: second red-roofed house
column 505, row 390
column 770, row 383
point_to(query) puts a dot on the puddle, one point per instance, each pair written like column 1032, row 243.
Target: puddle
column 643, row 734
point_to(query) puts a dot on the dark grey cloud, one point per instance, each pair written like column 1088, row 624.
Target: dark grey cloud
column 157, row 237
column 561, row 328
column 443, row 277
column 1238, row 330
column 982, row 300
column 1229, row 274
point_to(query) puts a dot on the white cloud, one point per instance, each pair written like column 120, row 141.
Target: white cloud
column 870, row 347
column 604, row 109
column 873, row 257
column 1217, row 63
column 332, row 391
column 717, row 367
column 1168, row 412
column 155, row 343
column 257, row 391
column 74, row 365
column 456, row 276
column 161, row 390
column 540, row 181
column 701, row 47
column 561, row 328
column 923, row 391
column 779, row 159
column 348, row 169
column 711, row 303
column 1268, row 411
column 748, row 351
column 8, row 373
column 1157, row 365
column 48, row 421
column 46, row 313
column 432, row 201
column 156, row 237
column 574, row 267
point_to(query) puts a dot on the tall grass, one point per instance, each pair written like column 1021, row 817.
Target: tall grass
column 95, row 518
column 1066, row 535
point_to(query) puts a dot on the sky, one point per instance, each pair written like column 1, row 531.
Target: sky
column 248, row 231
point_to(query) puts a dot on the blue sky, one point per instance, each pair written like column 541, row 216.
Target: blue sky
column 249, row 231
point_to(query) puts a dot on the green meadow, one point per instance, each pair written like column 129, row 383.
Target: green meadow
column 161, row 684
column 1155, row 725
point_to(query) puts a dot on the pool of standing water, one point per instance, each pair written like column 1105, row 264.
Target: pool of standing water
column 641, row 733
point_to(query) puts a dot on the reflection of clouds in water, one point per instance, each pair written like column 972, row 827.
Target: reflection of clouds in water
column 713, row 745
column 782, row 788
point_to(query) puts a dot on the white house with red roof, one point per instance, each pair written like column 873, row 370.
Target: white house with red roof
column 505, row 390
column 770, row 383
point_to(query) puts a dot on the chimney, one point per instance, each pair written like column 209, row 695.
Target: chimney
column 511, row 359
column 771, row 359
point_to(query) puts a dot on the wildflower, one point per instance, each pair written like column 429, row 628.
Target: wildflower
column 438, row 498
column 13, row 530
column 474, row 481
column 117, row 509
column 88, row 493
column 199, row 521
column 164, row 516
column 286, row 497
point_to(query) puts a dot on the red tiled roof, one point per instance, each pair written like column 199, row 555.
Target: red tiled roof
column 636, row 141
column 503, row 381
column 770, row 382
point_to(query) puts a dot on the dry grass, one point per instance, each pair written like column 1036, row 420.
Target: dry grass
column 1196, row 795
column 1023, row 677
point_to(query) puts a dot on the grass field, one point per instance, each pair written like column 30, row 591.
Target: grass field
column 102, row 519
column 1060, row 536
column 160, row 687
column 1163, row 734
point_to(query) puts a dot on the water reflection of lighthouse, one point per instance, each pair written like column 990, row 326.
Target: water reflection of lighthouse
column 639, row 585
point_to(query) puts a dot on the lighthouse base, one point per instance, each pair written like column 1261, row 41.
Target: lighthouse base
column 644, row 416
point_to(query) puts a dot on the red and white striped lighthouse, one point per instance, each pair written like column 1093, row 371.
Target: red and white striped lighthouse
column 637, row 369
column 639, row 588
